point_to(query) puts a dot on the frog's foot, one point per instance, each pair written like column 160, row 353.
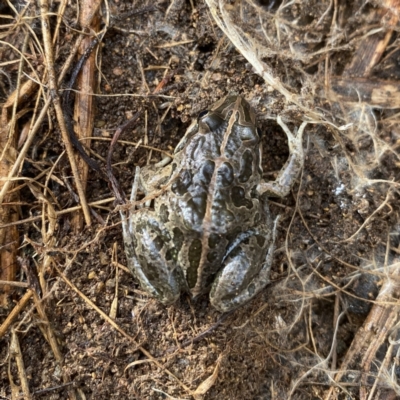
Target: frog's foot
column 239, row 281
column 289, row 173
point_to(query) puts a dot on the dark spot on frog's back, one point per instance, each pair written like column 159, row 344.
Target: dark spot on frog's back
column 246, row 166
column 225, row 175
column 213, row 240
column 214, row 122
column 198, row 206
column 212, row 256
column 178, row 238
column 238, row 197
column 158, row 243
column 206, row 172
column 179, row 187
column 194, row 261
column 260, row 241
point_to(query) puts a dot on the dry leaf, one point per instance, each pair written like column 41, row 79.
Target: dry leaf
column 206, row 384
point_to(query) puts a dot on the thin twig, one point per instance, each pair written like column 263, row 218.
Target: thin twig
column 119, row 194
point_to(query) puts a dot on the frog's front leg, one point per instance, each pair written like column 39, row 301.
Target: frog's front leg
column 153, row 176
column 245, row 271
column 290, row 171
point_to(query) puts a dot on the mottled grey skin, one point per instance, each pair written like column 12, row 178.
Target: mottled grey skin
column 210, row 229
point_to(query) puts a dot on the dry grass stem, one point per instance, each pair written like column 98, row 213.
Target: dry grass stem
column 84, row 102
column 57, row 105
column 15, row 312
column 15, row 350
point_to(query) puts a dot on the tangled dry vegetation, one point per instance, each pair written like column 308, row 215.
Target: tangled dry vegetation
column 74, row 323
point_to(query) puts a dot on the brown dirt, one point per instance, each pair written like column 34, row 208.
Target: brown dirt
column 277, row 342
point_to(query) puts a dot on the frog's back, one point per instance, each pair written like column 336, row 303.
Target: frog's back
column 213, row 196
column 217, row 172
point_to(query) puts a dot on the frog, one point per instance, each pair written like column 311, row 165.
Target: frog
column 206, row 227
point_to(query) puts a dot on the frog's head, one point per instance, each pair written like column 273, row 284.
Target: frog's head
column 233, row 106
column 233, row 122
column 231, row 117
column 229, row 124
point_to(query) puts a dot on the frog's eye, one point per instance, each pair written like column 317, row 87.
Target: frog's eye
column 202, row 114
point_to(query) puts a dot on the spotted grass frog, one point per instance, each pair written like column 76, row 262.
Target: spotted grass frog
column 210, row 227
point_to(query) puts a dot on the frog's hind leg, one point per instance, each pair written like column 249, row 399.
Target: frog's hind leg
column 244, row 273
column 150, row 257
column 147, row 253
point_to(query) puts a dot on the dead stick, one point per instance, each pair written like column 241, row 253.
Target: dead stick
column 16, row 351
column 12, row 316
